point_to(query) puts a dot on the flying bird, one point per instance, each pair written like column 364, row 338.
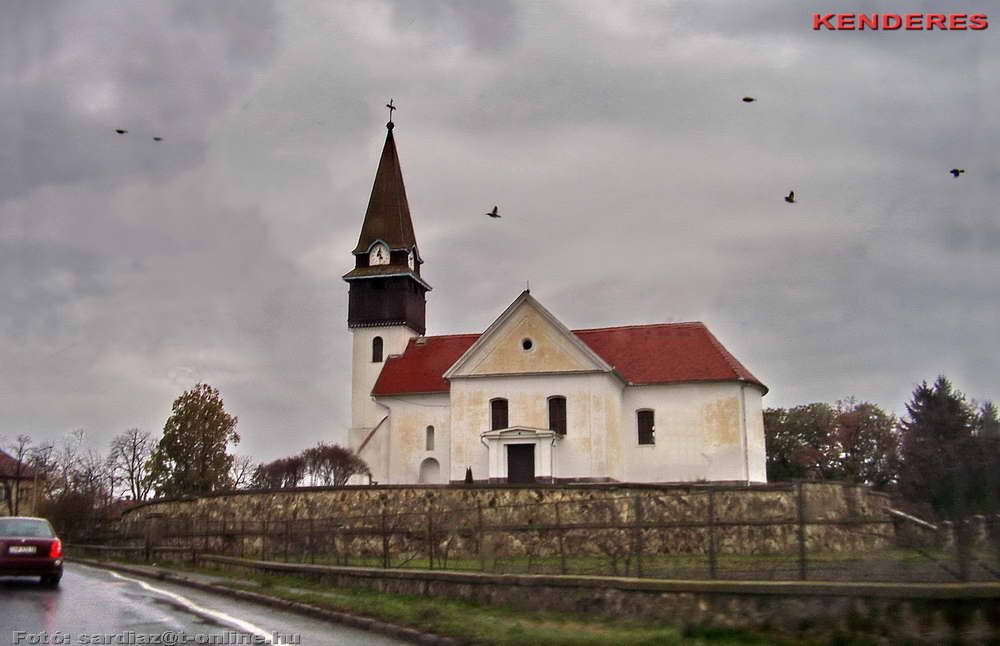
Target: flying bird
column 157, row 138
column 121, row 131
column 790, row 198
column 955, row 172
column 748, row 99
column 493, row 213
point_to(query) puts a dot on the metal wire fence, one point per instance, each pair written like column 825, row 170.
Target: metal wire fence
column 694, row 535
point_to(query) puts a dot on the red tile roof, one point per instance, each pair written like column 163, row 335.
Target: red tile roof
column 642, row 354
column 421, row 366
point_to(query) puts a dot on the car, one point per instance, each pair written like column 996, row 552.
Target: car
column 30, row 547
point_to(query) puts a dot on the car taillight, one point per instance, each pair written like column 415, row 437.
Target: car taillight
column 55, row 550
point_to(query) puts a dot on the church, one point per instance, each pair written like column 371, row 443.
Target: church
column 529, row 400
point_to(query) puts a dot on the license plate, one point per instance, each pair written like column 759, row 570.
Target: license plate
column 22, row 549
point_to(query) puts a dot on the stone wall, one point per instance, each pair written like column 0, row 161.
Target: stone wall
column 499, row 526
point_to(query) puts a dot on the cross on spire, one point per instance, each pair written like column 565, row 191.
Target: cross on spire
column 391, row 108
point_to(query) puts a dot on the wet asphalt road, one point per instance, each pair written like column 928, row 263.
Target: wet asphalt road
column 94, row 606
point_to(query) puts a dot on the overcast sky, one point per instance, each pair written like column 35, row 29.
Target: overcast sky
column 635, row 187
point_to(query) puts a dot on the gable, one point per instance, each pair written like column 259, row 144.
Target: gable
column 665, row 353
column 526, row 339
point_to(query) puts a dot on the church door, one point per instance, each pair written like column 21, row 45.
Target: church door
column 520, row 463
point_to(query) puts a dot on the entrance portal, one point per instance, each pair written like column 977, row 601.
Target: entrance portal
column 429, row 470
column 520, row 463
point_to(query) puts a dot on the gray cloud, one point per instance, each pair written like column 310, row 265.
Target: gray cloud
column 82, row 69
column 635, row 187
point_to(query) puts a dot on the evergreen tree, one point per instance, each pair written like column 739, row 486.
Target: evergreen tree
column 938, row 465
column 192, row 456
column 985, row 459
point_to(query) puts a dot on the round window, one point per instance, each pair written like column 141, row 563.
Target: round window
column 526, row 344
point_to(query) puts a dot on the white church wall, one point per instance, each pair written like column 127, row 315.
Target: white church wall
column 756, row 450
column 365, row 414
column 410, row 415
column 375, row 452
column 593, row 408
column 699, row 432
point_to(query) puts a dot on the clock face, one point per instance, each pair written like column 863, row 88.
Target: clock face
column 410, row 260
column 379, row 255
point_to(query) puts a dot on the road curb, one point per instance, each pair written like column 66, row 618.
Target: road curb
column 351, row 620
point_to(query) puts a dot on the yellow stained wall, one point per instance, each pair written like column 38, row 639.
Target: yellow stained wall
column 550, row 351
column 410, row 415
column 593, row 404
column 701, row 433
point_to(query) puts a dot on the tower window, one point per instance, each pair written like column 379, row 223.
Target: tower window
column 644, row 418
column 557, row 414
column 377, row 350
column 498, row 414
column 429, row 440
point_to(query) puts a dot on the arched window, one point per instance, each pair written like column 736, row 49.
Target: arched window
column 644, row 419
column 430, row 471
column 557, row 414
column 498, row 414
column 429, row 438
column 377, row 350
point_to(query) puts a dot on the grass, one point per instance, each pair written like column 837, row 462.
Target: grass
column 486, row 625
column 494, row 625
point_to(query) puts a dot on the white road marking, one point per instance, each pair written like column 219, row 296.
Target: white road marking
column 191, row 605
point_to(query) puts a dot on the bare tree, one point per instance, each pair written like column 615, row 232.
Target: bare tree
column 42, row 462
column 20, row 450
column 241, row 472
column 130, row 453
column 332, row 464
column 81, row 487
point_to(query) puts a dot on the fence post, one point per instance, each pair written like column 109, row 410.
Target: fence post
column 312, row 538
column 288, row 537
column 637, row 533
column 479, row 536
column 243, row 536
column 338, row 559
column 994, row 533
column 559, row 534
column 712, row 558
column 383, row 527
column 430, row 537
column 801, row 508
column 963, row 548
column 263, row 542
column 147, row 542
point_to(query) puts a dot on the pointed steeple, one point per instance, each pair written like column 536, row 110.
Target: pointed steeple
column 388, row 215
column 385, row 285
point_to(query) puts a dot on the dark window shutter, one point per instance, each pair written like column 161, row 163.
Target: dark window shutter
column 557, row 414
column 645, row 419
column 377, row 350
column 498, row 412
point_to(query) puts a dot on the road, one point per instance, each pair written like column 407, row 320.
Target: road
column 94, row 606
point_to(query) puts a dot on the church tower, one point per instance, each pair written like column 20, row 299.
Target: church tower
column 386, row 296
